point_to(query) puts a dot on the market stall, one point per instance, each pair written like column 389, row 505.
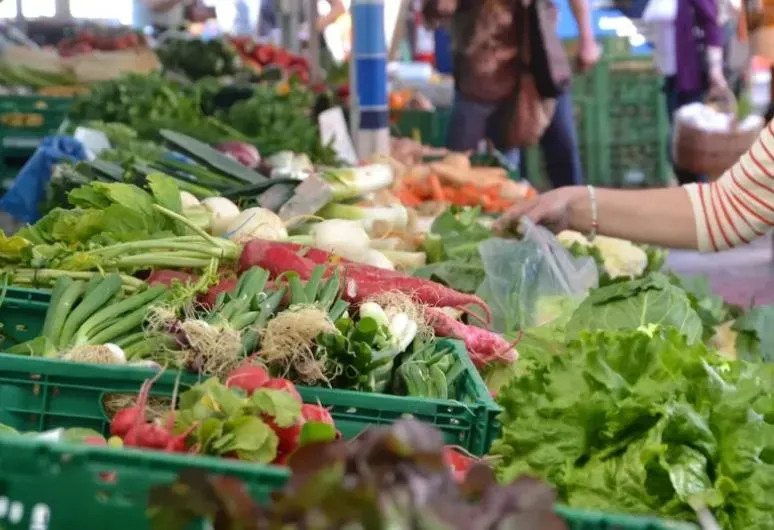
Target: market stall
column 212, row 313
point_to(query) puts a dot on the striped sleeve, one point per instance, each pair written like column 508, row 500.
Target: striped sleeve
column 739, row 206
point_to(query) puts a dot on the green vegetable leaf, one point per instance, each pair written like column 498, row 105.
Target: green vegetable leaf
column 79, row 435
column 652, row 300
column 642, row 421
column 253, row 440
column 12, row 248
column 279, row 405
column 316, row 432
column 5, row 430
column 208, row 433
column 165, row 191
column 755, row 341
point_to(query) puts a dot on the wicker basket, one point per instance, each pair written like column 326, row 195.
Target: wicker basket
column 710, row 153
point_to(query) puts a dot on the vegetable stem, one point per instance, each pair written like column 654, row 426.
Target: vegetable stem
column 187, row 222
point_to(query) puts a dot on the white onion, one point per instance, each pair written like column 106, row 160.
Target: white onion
column 223, row 212
column 256, row 223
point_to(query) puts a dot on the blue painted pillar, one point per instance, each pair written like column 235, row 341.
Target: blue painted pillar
column 369, row 78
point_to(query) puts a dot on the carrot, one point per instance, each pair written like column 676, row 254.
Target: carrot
column 451, row 174
column 485, row 347
column 435, row 187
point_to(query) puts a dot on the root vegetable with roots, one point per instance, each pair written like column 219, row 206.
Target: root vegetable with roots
column 211, row 350
column 288, row 342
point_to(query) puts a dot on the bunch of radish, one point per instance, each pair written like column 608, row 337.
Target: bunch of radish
column 250, row 378
column 133, row 428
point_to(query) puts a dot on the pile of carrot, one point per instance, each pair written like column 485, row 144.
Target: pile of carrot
column 413, row 192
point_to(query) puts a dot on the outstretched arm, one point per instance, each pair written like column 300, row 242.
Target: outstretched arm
column 732, row 211
column 588, row 50
column 337, row 9
column 661, row 217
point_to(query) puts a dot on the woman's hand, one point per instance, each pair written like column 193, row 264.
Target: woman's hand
column 552, row 209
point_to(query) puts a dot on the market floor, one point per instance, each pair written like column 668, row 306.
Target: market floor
column 743, row 276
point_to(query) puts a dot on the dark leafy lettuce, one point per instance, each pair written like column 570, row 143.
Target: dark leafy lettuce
column 645, row 422
column 651, row 300
column 385, row 479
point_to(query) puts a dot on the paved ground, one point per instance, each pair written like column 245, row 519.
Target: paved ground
column 742, row 276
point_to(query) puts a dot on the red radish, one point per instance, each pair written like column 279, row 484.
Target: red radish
column 168, row 277
column 316, row 413
column 276, row 259
column 285, row 386
column 96, row 441
column 244, row 153
column 148, row 436
column 128, row 418
column 484, row 346
column 361, row 281
column 288, row 436
column 177, row 443
column 281, row 460
column 225, row 285
column 248, row 377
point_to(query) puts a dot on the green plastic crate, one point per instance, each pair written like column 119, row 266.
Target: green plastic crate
column 64, row 487
column 41, row 394
column 590, row 520
column 26, row 120
column 428, row 127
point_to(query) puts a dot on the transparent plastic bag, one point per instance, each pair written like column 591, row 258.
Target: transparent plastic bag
column 533, row 281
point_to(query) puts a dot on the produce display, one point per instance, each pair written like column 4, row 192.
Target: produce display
column 255, row 306
column 87, row 40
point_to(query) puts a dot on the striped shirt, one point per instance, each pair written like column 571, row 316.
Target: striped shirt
column 739, row 206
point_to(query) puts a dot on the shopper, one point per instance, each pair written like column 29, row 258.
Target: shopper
column 692, row 67
column 161, row 15
column 732, row 211
column 559, row 144
column 484, row 81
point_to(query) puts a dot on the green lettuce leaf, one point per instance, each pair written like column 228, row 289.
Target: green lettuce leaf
column 755, row 340
column 644, row 422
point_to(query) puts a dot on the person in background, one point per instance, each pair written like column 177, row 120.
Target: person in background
column 269, row 20
column 161, row 15
column 559, row 143
column 692, row 67
column 480, row 95
column 731, row 211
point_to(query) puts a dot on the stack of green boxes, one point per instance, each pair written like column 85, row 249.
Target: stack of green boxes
column 621, row 122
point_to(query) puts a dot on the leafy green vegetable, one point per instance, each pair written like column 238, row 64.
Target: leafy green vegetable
column 637, row 303
column 452, row 249
column 228, row 422
column 755, row 340
column 358, row 355
column 645, row 422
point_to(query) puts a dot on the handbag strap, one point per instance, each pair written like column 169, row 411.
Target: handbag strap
column 521, row 24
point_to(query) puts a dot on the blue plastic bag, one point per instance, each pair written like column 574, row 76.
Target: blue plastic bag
column 29, row 186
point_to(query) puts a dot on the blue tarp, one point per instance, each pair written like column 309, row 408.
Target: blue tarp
column 29, row 187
